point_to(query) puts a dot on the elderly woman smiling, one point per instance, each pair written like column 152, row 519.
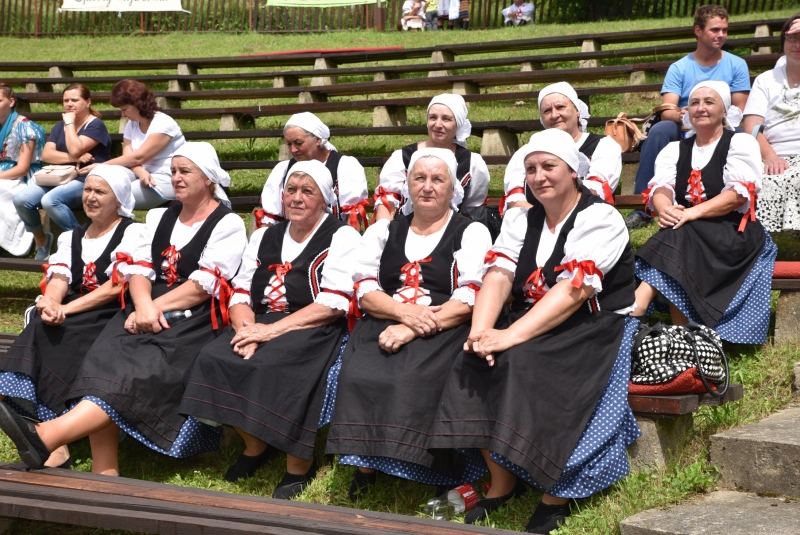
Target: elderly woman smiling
column 265, row 375
column 712, row 260
column 132, row 376
column 542, row 391
column 78, row 299
column 416, row 280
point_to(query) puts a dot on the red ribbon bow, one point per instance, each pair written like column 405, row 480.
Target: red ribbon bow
column 514, row 191
column 354, row 311
column 225, row 292
column 280, row 272
column 695, row 187
column 124, row 258
column 259, row 214
column 413, row 273
column 356, row 210
column 491, row 256
column 534, row 286
column 751, row 212
column 90, row 277
column 384, row 195
column 607, row 193
column 45, row 267
column 646, row 199
column 579, row 269
column 172, row 255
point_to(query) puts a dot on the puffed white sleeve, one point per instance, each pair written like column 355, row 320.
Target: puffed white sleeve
column 243, row 280
column 479, row 184
column 390, row 182
column 368, row 259
column 272, row 195
column 136, row 245
column 475, row 243
column 666, row 169
column 742, row 172
column 514, row 180
column 594, row 246
column 337, row 273
column 352, row 185
column 758, row 99
column 61, row 261
column 222, row 254
column 504, row 253
column 606, row 165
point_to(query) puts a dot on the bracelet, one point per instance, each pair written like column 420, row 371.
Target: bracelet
column 67, row 124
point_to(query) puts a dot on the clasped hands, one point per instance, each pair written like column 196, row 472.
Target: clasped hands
column 488, row 342
column 249, row 335
column 147, row 318
column 52, row 313
column 675, row 216
column 416, row 321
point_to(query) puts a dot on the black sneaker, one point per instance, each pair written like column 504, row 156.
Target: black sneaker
column 247, row 465
column 489, row 505
column 547, row 517
column 292, row 484
column 22, row 431
column 361, row 482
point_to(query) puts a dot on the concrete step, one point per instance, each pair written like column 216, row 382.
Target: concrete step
column 722, row 512
column 761, row 457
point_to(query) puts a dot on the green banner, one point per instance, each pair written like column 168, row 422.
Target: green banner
column 319, row 3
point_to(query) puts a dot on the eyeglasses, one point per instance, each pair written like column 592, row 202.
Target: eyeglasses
column 793, row 38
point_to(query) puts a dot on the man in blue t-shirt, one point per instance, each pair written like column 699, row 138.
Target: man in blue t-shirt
column 707, row 62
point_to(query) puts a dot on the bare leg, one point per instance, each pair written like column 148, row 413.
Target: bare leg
column 677, row 316
column 39, row 238
column 365, row 470
column 547, row 499
column 644, row 296
column 58, row 457
column 253, row 446
column 503, row 481
column 297, row 466
column 83, row 420
column 105, row 450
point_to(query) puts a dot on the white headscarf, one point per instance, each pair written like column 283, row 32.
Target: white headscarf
column 449, row 159
column 556, row 142
column 119, row 180
column 204, row 156
column 459, row 108
column 733, row 114
column 311, row 124
column 317, row 170
column 567, row 90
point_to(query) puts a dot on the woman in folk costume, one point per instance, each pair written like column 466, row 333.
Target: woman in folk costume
column 266, row 374
column 78, row 299
column 308, row 139
column 416, row 279
column 711, row 259
column 542, row 391
column 132, row 377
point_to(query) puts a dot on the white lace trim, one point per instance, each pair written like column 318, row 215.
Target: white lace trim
column 516, row 197
column 465, row 294
column 332, row 300
column 206, row 280
column 126, row 270
column 502, row 263
column 367, row 286
column 61, row 270
column 241, row 299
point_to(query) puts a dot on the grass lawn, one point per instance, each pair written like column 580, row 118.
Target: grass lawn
column 765, row 371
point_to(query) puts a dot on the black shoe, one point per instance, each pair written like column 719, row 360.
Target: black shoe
column 637, row 220
column 22, row 432
column 291, row 485
column 361, row 482
column 66, row 465
column 247, row 465
column 547, row 517
column 489, row 505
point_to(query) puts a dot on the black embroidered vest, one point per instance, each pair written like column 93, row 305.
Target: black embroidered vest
column 711, row 174
column 101, row 263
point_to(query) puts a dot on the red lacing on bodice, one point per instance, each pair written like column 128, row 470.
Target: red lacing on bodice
column 413, row 279
column 276, row 287
column 695, row 187
column 172, row 256
column 534, row 286
column 89, row 278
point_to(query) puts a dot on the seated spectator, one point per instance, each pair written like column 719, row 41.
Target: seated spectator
column 308, row 139
column 455, row 12
column 265, row 374
column 712, row 260
column 707, row 62
column 413, row 16
column 80, row 138
column 148, row 144
column 78, row 299
column 542, row 391
column 416, row 280
column 559, row 107
column 176, row 269
column 21, row 144
column 774, row 104
column 448, row 128
column 519, row 13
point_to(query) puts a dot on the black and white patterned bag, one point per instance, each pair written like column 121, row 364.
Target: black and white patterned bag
column 662, row 352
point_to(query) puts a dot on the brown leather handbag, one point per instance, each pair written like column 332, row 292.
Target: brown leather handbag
column 625, row 132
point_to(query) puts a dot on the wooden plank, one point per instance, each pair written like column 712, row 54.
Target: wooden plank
column 786, row 284
column 21, row 264
column 666, row 405
column 735, row 392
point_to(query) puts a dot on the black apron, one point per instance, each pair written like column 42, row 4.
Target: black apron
column 277, row 394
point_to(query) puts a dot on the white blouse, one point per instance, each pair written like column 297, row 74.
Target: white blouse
column 605, row 166
column 91, row 249
column 337, row 272
column 599, row 236
column 742, row 166
column 779, row 105
column 352, row 186
column 223, row 250
column 394, row 173
column 475, row 242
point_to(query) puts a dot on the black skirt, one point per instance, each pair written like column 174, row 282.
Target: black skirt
column 51, row 355
column 708, row 258
column 141, row 375
column 532, row 406
column 386, row 403
column 277, row 394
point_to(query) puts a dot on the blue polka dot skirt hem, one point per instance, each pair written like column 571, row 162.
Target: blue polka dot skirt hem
column 18, row 386
column 600, row 459
column 194, row 437
column 476, row 467
column 746, row 320
column 329, row 402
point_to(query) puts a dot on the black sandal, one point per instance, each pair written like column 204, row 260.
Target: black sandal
column 547, row 517
column 247, row 465
column 361, row 482
column 489, row 505
column 292, row 484
column 22, row 431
